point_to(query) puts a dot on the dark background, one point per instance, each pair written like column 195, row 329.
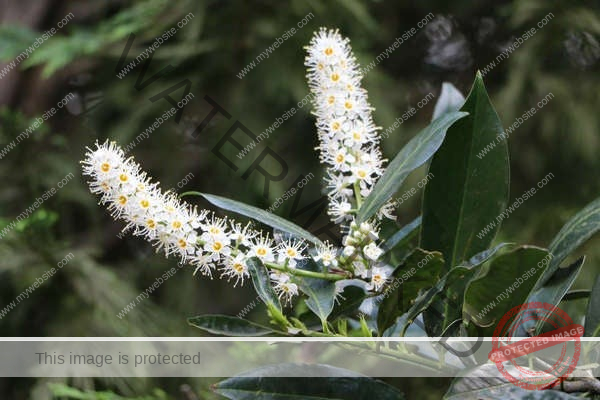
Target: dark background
column 108, row 272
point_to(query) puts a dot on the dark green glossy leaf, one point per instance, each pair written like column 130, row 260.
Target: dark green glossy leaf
column 404, row 235
column 451, row 99
column 592, row 317
column 468, row 192
column 424, row 300
column 552, row 293
column 412, row 156
column 502, row 284
column 262, row 283
column 304, row 382
column 559, row 284
column 352, row 292
column 259, row 215
column 321, row 292
column 448, row 307
column 572, row 235
column 459, row 275
column 229, row 326
column 419, row 271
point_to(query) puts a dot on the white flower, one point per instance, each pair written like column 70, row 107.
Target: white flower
column 348, row 136
column 327, row 255
column 387, row 209
column 341, row 160
column 372, row 252
column 104, row 163
column 351, row 240
column 161, row 218
column 215, row 227
column 263, row 249
column 203, row 265
column 379, row 277
column 284, row 287
column 184, row 245
column 362, row 173
column 217, row 247
column 349, row 251
column 290, row 251
column 340, row 210
column 359, row 269
column 242, row 235
column 235, row 267
column 338, row 187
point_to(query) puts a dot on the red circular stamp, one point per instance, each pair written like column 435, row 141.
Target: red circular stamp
column 507, row 349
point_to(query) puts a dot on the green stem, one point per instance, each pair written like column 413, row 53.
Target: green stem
column 415, row 359
column 307, row 274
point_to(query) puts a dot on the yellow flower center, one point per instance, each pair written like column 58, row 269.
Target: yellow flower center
column 348, row 105
column 176, row 224
column 356, row 135
column 320, row 66
column 335, row 77
column 214, row 230
column 362, row 174
column 328, row 51
column 377, row 278
column 122, row 200
column 239, row 268
column 291, row 253
column 105, row 186
column 335, row 126
column 123, row 178
column 145, row 203
column 151, row 224
column 331, row 99
column 105, row 167
column 261, row 251
column 340, row 158
column 181, row 243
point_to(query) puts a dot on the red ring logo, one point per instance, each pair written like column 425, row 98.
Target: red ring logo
column 506, row 350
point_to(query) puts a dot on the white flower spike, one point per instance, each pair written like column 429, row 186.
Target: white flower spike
column 348, row 136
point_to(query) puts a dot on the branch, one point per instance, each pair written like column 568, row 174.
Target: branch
column 590, row 385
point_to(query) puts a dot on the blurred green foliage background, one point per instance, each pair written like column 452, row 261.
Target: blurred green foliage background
column 108, row 272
